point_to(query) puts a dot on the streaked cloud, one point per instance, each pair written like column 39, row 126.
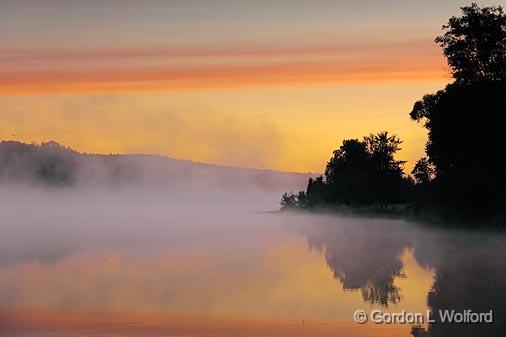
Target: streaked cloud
column 215, row 49
column 225, row 66
column 264, row 83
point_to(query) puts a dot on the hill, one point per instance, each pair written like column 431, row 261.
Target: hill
column 52, row 164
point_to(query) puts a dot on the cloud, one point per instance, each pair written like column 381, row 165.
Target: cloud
column 213, row 67
column 214, row 50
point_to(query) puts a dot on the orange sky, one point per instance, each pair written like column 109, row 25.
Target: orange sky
column 273, row 84
column 216, row 67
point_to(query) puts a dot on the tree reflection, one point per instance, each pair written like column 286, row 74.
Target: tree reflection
column 469, row 268
column 470, row 275
column 364, row 255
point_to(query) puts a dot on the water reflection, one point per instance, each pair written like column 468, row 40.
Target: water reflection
column 363, row 255
column 470, row 275
column 469, row 267
column 240, row 274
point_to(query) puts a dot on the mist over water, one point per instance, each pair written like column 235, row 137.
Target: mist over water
column 124, row 217
column 145, row 260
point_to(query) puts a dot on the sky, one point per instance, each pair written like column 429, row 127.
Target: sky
column 264, row 84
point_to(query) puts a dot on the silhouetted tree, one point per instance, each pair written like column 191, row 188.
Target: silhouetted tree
column 359, row 173
column 315, row 192
column 423, row 171
column 465, row 120
column 463, row 174
column 365, row 172
column 288, row 201
column 302, row 199
column 347, row 173
column 382, row 147
column 294, row 200
column 388, row 181
column 475, row 44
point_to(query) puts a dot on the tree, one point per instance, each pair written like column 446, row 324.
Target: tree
column 474, row 44
column 465, row 145
column 47, row 163
column 423, row 171
column 381, row 148
column 365, row 172
column 465, row 120
column 347, row 173
column 315, row 192
column 288, row 201
column 387, row 182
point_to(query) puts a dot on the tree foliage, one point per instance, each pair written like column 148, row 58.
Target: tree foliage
column 423, row 172
column 359, row 173
column 48, row 163
column 465, row 121
column 462, row 175
column 474, row 44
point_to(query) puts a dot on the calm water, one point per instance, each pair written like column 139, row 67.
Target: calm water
column 91, row 266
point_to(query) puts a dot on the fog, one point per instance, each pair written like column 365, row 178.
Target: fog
column 44, row 224
column 205, row 249
column 55, row 201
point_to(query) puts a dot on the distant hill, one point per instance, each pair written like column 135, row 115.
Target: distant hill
column 53, row 164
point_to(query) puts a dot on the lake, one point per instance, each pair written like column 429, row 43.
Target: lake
column 132, row 263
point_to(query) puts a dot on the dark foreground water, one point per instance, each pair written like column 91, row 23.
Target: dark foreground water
column 129, row 264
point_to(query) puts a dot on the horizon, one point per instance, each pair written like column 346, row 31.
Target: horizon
column 232, row 84
column 233, row 168
column 159, row 156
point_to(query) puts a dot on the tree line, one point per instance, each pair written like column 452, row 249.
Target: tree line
column 49, row 163
column 462, row 175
